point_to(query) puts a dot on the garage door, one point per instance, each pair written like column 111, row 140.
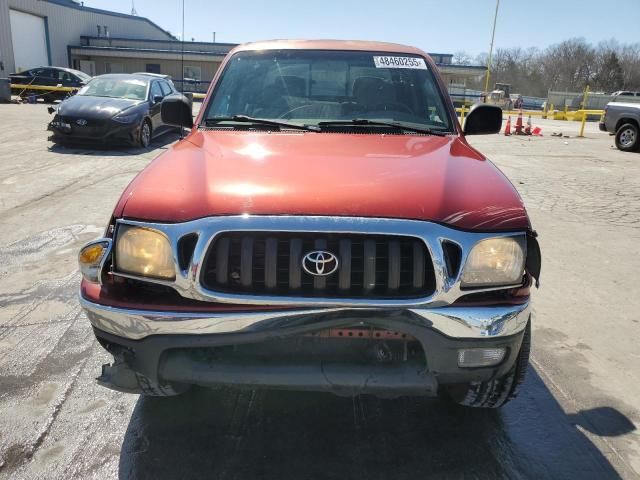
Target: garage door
column 29, row 40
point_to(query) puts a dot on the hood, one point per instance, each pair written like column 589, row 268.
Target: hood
column 99, row 108
column 441, row 179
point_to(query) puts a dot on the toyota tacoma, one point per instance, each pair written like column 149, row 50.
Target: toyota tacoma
column 325, row 226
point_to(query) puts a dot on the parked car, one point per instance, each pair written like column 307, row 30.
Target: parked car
column 625, row 93
column 116, row 108
column 325, row 226
column 623, row 120
column 50, row 76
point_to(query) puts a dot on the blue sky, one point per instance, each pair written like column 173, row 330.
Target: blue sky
column 435, row 26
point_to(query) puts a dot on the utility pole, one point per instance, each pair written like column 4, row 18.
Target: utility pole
column 214, row 37
column 493, row 34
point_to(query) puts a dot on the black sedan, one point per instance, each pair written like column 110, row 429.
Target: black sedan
column 115, row 109
column 49, row 76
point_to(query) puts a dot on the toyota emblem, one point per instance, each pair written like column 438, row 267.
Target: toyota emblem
column 81, row 121
column 320, row 263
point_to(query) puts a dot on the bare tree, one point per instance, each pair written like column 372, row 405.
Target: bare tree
column 461, row 58
column 570, row 65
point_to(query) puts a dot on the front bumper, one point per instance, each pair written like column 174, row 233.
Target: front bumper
column 109, row 132
column 455, row 322
column 165, row 348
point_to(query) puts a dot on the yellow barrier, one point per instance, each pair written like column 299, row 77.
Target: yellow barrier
column 16, row 86
column 526, row 113
column 566, row 114
column 48, row 88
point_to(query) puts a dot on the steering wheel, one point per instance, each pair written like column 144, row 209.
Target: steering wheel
column 398, row 107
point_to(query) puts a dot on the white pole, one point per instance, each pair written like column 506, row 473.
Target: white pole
column 493, row 34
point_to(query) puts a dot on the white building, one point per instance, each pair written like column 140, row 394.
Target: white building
column 39, row 32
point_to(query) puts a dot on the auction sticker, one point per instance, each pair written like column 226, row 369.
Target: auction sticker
column 400, row 62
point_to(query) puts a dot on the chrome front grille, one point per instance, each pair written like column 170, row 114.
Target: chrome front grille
column 197, row 254
column 270, row 263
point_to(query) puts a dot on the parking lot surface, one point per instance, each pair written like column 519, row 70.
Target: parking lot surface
column 577, row 416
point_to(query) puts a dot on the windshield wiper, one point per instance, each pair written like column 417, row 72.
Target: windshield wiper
column 399, row 125
column 263, row 121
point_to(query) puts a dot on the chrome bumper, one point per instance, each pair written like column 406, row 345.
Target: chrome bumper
column 454, row 322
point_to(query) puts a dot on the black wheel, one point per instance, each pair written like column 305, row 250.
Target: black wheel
column 144, row 135
column 496, row 392
column 628, row 138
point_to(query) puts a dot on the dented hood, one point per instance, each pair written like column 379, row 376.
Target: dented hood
column 222, row 172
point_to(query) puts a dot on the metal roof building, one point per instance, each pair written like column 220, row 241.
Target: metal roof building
column 38, row 32
column 126, row 55
column 65, row 33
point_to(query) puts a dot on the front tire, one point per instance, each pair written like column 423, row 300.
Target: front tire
column 144, row 135
column 496, row 392
column 628, row 138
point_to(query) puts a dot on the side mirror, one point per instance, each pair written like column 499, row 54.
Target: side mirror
column 483, row 119
column 176, row 112
column 157, row 99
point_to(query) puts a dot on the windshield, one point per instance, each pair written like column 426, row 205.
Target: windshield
column 309, row 87
column 115, row 88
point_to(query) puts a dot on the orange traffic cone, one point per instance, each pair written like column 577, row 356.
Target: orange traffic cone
column 507, row 129
column 519, row 124
column 527, row 130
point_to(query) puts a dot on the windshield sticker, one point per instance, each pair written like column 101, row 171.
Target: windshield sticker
column 400, row 62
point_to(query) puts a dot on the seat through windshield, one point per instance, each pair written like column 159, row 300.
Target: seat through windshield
column 312, row 87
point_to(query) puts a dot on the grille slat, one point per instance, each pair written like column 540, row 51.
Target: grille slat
column 394, row 265
column 320, row 283
column 246, row 262
column 418, row 265
column 295, row 265
column 222, row 261
column 344, row 272
column 369, row 266
column 271, row 263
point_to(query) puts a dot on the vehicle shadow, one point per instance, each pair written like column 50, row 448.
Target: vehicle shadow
column 267, row 434
column 105, row 150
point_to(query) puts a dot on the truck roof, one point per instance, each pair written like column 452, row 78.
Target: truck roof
column 329, row 45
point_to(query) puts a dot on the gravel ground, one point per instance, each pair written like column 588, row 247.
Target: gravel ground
column 576, row 417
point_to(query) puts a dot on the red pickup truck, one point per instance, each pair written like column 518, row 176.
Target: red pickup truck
column 325, row 226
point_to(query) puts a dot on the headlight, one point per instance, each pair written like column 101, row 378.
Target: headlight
column 144, row 252
column 495, row 261
column 128, row 118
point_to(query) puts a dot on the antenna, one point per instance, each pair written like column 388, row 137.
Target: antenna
column 133, row 7
column 182, row 70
